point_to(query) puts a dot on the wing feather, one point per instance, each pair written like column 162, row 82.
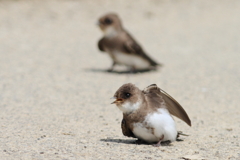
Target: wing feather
column 172, row 105
column 132, row 47
column 100, row 45
column 126, row 130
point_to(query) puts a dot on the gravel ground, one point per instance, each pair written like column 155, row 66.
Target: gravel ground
column 54, row 93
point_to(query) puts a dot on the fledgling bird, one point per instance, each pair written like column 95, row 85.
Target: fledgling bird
column 147, row 113
column 121, row 46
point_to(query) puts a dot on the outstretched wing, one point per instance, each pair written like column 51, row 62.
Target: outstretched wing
column 132, row 47
column 158, row 95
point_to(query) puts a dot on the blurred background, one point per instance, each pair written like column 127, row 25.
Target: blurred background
column 48, row 86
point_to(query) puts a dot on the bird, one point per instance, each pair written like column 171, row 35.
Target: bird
column 147, row 113
column 122, row 48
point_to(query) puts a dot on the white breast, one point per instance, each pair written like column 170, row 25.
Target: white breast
column 131, row 60
column 141, row 132
column 162, row 124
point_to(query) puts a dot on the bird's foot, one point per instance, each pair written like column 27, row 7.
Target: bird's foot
column 159, row 142
column 157, row 145
column 133, row 70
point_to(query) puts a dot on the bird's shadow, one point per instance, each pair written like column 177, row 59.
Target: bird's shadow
column 119, row 72
column 134, row 141
column 125, row 141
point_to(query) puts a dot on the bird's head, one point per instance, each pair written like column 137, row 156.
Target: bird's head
column 110, row 24
column 128, row 98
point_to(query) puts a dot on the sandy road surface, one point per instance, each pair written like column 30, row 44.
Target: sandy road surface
column 54, row 95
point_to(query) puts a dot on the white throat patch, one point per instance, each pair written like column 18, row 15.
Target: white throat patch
column 128, row 107
column 110, row 32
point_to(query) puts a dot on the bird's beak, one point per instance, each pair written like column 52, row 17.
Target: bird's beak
column 117, row 100
column 97, row 23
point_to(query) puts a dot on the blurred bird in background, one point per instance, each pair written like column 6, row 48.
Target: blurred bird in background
column 121, row 46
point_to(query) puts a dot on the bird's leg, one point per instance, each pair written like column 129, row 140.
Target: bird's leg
column 159, row 142
column 111, row 68
column 132, row 69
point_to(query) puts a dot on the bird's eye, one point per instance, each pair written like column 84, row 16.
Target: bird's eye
column 127, row 95
column 107, row 21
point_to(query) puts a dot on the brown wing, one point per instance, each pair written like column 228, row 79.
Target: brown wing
column 126, row 130
column 172, row 105
column 131, row 46
column 100, row 45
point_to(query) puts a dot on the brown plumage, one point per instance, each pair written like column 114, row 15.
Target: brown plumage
column 126, row 130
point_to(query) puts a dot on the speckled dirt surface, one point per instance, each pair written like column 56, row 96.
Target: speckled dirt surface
column 54, row 93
